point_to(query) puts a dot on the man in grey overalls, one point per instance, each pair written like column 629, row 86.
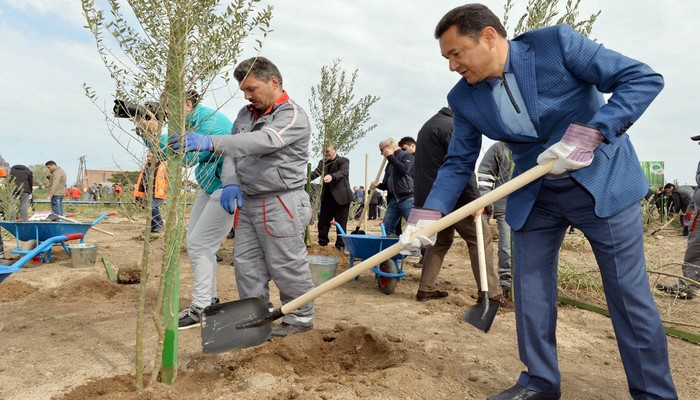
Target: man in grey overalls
column 264, row 174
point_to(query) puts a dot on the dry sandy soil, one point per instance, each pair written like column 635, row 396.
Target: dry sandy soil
column 69, row 333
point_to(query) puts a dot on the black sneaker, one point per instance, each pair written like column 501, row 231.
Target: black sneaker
column 190, row 317
column 285, row 329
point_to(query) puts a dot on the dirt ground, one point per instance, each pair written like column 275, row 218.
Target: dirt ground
column 69, row 333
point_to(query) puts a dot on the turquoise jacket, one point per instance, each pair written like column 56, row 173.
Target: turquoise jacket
column 205, row 121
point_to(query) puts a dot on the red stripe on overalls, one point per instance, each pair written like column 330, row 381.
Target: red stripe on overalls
column 264, row 210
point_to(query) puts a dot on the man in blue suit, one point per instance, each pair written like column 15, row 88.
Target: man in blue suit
column 541, row 93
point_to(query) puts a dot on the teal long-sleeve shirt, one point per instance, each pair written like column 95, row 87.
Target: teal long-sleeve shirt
column 205, row 121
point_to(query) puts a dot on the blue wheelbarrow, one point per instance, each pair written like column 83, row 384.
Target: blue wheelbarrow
column 388, row 272
column 46, row 234
column 35, row 255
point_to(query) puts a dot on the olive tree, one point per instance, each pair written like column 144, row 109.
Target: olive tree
column 340, row 119
column 542, row 13
column 157, row 51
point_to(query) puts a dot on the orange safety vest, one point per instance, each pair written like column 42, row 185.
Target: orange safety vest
column 161, row 182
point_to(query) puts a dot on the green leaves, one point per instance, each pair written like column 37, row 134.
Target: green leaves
column 340, row 119
column 543, row 13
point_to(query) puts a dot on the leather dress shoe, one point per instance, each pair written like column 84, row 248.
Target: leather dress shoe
column 518, row 392
column 501, row 299
column 425, row 296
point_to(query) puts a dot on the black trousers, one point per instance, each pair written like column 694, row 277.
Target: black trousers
column 331, row 210
column 373, row 211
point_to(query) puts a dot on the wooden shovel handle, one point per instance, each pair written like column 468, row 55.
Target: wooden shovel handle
column 448, row 220
column 368, row 197
column 483, row 279
column 80, row 222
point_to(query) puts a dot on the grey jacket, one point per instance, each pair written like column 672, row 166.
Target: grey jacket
column 494, row 170
column 266, row 153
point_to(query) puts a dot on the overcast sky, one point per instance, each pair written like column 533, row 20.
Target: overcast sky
column 48, row 55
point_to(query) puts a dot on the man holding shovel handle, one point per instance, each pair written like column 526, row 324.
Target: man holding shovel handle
column 541, row 94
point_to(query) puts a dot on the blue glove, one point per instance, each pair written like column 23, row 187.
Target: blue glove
column 230, row 195
column 191, row 142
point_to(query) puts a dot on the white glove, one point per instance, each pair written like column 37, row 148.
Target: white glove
column 417, row 220
column 574, row 150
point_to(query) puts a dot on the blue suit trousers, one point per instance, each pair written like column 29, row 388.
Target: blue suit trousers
column 617, row 244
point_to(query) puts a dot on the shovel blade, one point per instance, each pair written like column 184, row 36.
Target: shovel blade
column 220, row 331
column 480, row 317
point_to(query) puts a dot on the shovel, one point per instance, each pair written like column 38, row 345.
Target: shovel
column 368, row 198
column 482, row 314
column 248, row 322
column 55, row 217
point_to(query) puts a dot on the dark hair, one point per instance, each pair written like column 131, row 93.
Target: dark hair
column 669, row 186
column 259, row 67
column 50, row 163
column 470, row 20
column 406, row 140
column 193, row 97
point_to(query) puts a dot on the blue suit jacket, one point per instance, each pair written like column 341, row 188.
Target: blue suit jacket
column 561, row 75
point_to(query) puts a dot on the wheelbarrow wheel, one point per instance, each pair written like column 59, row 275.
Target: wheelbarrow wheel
column 387, row 285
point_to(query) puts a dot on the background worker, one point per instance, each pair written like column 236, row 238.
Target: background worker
column 335, row 194
column 160, row 189
column 24, row 181
column 57, row 187
column 542, row 93
column 209, row 223
column 4, row 172
column 117, row 191
column 433, row 140
column 264, row 175
column 681, row 199
column 398, row 182
column 75, row 193
column 494, row 171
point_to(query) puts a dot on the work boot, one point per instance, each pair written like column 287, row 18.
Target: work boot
column 285, row 329
column 425, row 296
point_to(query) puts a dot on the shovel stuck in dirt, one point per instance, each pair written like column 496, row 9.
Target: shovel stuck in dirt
column 248, row 322
column 482, row 314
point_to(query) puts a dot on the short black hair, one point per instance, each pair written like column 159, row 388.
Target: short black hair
column 669, row 186
column 407, row 140
column 470, row 20
column 51, row 162
column 193, row 97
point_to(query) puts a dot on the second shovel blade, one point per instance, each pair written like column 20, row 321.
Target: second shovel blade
column 476, row 317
